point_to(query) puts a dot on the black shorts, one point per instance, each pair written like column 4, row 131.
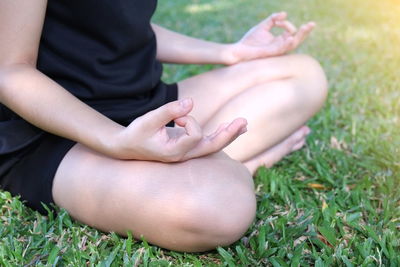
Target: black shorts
column 30, row 172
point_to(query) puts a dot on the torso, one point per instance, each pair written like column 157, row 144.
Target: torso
column 104, row 53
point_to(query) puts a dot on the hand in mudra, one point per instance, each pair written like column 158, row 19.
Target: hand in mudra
column 259, row 42
column 147, row 138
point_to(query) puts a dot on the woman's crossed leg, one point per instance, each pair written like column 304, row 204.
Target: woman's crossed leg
column 276, row 95
column 205, row 202
column 195, row 205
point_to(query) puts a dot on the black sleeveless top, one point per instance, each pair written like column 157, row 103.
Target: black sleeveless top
column 104, row 53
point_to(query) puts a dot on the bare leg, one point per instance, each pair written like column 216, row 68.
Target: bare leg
column 276, row 95
column 191, row 206
column 205, row 202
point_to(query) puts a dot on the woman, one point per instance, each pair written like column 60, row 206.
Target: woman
column 86, row 74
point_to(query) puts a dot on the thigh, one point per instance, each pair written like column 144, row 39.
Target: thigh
column 169, row 204
column 212, row 90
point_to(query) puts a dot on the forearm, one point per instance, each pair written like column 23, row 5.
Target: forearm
column 173, row 47
column 47, row 105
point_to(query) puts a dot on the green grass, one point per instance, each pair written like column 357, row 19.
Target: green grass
column 336, row 202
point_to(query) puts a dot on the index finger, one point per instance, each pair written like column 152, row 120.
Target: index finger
column 287, row 25
column 193, row 135
column 158, row 118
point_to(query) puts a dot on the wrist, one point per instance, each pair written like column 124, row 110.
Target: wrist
column 229, row 55
column 107, row 140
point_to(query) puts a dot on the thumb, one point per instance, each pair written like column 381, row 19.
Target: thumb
column 155, row 119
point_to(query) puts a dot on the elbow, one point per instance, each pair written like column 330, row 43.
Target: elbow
column 26, row 58
column 12, row 74
column 3, row 81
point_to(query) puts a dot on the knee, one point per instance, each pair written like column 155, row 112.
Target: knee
column 220, row 209
column 313, row 83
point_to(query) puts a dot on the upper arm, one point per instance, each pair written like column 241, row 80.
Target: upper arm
column 21, row 23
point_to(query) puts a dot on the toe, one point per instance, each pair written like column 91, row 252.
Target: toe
column 307, row 130
column 299, row 135
column 299, row 145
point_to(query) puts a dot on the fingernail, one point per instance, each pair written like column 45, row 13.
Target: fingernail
column 185, row 103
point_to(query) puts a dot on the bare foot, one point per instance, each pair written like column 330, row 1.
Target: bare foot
column 271, row 156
